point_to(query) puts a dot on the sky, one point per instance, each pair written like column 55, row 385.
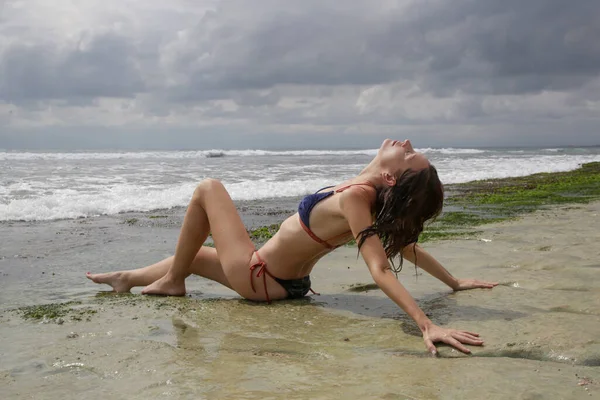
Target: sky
column 184, row 74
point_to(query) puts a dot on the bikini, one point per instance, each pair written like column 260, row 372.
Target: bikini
column 309, row 202
column 298, row 288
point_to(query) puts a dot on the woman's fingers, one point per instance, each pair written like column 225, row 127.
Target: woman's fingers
column 468, row 339
column 430, row 347
column 470, row 333
column 452, row 337
column 476, row 283
column 485, row 284
column 455, row 343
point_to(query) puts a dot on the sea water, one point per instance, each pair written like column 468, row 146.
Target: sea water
column 63, row 185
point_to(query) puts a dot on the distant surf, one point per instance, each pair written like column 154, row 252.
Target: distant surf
column 59, row 185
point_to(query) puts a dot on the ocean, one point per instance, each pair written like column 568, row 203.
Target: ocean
column 38, row 186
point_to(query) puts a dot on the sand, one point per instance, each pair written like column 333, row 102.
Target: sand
column 541, row 325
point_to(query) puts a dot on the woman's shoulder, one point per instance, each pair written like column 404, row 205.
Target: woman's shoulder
column 359, row 195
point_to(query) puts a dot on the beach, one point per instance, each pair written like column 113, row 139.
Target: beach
column 64, row 214
column 540, row 325
column 468, row 128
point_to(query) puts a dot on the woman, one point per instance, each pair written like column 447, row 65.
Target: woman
column 384, row 208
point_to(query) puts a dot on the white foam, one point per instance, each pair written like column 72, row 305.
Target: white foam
column 34, row 190
column 8, row 156
column 69, row 203
column 459, row 170
column 451, row 150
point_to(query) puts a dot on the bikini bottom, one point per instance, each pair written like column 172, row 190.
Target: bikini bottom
column 296, row 288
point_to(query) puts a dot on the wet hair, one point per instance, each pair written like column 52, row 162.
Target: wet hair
column 402, row 210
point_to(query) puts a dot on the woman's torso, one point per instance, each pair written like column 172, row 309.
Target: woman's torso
column 292, row 252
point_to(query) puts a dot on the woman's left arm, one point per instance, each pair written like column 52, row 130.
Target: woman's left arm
column 426, row 262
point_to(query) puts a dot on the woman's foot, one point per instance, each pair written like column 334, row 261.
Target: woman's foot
column 165, row 286
column 118, row 280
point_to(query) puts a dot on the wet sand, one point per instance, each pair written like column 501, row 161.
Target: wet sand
column 541, row 326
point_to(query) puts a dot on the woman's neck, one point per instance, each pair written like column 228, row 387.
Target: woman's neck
column 372, row 173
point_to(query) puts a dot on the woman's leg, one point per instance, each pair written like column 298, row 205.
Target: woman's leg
column 205, row 264
column 212, row 210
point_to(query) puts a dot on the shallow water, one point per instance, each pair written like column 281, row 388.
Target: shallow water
column 541, row 325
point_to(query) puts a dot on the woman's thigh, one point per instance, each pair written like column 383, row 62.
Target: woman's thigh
column 233, row 245
column 207, row 265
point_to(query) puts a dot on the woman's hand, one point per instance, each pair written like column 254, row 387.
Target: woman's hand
column 453, row 337
column 466, row 284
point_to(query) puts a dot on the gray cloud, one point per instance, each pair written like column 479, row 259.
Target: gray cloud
column 474, row 46
column 328, row 65
column 105, row 66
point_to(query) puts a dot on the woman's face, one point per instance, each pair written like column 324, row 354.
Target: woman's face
column 399, row 156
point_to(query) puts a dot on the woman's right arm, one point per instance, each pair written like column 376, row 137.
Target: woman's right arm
column 356, row 210
column 413, row 253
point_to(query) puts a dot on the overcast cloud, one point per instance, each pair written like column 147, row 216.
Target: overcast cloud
column 275, row 73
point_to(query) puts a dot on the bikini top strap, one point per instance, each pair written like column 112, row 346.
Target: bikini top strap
column 367, row 183
column 326, row 187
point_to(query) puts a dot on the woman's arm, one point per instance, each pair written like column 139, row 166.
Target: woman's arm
column 429, row 264
column 356, row 210
column 426, row 262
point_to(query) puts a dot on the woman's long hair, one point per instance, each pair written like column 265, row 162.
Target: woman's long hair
column 402, row 210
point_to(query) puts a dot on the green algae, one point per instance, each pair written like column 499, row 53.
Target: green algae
column 494, row 200
column 50, row 311
column 56, row 311
column 465, row 218
column 111, row 299
column 430, row 235
column 531, row 192
column 263, row 233
column 258, row 235
column 77, row 311
column 362, row 287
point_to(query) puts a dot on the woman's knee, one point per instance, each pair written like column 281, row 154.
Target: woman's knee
column 206, row 186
